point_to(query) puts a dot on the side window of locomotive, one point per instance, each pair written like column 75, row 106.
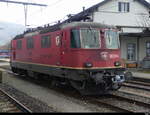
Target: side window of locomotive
column 112, row 39
column 30, row 43
column 58, row 39
column 45, row 41
column 75, row 39
column 19, row 44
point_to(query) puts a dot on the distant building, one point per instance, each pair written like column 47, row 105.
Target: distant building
column 4, row 53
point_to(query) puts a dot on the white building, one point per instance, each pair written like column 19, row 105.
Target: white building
column 131, row 17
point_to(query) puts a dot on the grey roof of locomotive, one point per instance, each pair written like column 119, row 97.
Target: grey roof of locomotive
column 86, row 24
column 46, row 29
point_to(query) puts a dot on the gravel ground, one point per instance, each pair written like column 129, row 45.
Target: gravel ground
column 33, row 104
column 55, row 100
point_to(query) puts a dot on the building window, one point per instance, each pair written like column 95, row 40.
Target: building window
column 19, row 44
column 148, row 49
column 123, row 7
column 45, row 41
column 131, row 52
column 30, row 43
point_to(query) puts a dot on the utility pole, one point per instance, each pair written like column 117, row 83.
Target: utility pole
column 25, row 4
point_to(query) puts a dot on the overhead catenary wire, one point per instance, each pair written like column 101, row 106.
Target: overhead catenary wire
column 40, row 10
column 25, row 6
column 51, row 8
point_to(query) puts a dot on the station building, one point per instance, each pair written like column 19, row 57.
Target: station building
column 131, row 17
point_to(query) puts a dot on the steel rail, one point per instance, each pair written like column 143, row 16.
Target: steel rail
column 145, row 80
column 132, row 96
column 139, row 83
column 22, row 107
column 111, row 106
column 121, row 107
column 137, row 86
column 130, row 100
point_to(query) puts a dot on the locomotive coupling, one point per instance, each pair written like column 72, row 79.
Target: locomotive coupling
column 102, row 78
column 118, row 79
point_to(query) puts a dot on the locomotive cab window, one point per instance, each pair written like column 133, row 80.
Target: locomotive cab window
column 19, row 44
column 112, row 39
column 85, row 38
column 30, row 43
column 75, row 39
column 45, row 41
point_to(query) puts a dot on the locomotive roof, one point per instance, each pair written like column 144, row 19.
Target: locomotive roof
column 59, row 26
column 86, row 24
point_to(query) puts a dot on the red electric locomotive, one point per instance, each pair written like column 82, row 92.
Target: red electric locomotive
column 84, row 54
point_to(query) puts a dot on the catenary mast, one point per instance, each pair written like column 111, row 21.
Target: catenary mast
column 25, row 4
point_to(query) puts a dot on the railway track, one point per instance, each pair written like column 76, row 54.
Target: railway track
column 123, row 104
column 137, row 85
column 9, row 104
column 115, row 101
column 141, row 80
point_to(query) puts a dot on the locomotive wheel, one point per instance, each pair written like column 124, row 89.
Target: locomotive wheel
column 87, row 88
column 14, row 70
column 53, row 83
column 116, row 86
column 79, row 85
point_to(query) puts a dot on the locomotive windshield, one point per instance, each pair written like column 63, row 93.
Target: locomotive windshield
column 112, row 39
column 85, row 38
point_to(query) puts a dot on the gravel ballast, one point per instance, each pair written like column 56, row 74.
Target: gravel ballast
column 33, row 104
column 55, row 100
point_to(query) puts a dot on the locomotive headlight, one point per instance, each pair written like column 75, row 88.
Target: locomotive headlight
column 88, row 65
column 117, row 63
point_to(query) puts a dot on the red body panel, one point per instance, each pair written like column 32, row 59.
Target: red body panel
column 64, row 56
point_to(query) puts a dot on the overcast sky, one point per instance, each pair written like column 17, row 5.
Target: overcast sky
column 56, row 10
column 38, row 16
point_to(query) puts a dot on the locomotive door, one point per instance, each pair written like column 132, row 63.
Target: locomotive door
column 13, row 52
column 63, row 50
column 61, row 44
column 59, row 39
